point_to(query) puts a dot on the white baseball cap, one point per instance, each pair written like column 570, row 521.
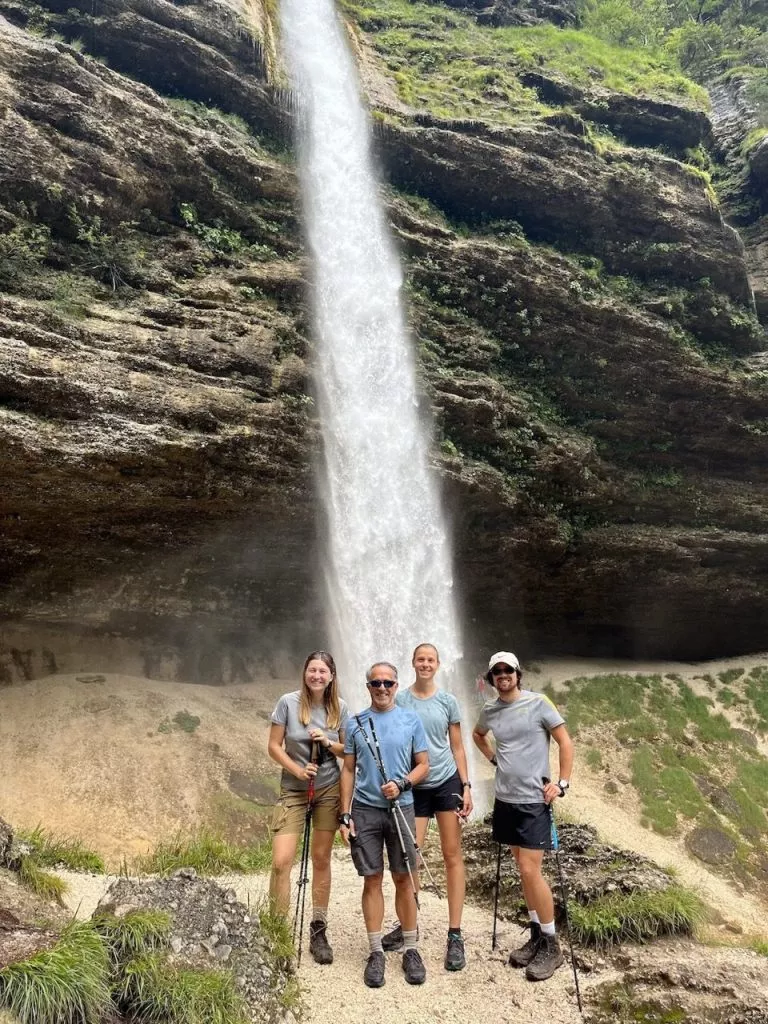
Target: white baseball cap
column 502, row 658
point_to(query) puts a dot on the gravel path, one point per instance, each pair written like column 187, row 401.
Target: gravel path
column 486, row 990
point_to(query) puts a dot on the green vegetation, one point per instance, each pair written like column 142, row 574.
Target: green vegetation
column 67, row 984
column 444, row 61
column 222, row 241
column 277, row 931
column 594, row 758
column 636, row 917
column 136, row 933
column 44, row 884
column 51, row 850
column 206, row 852
column 157, row 992
column 22, row 250
column 688, row 766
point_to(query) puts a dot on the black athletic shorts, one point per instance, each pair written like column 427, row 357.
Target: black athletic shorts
column 377, row 827
column 448, row 796
column 526, row 825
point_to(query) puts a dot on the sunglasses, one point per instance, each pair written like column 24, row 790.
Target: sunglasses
column 378, row 683
column 502, row 670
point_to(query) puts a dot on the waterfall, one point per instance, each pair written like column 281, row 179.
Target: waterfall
column 388, row 576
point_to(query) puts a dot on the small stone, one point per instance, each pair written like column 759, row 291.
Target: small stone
column 247, row 919
column 734, row 927
column 223, row 952
column 176, row 943
column 189, row 873
column 230, row 896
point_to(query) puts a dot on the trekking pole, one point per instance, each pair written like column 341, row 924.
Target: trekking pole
column 564, row 897
column 496, row 896
column 301, row 895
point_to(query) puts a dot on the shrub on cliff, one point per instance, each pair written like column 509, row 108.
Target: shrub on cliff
column 22, row 250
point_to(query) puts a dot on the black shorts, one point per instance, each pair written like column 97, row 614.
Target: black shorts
column 448, row 796
column 377, row 827
column 525, row 825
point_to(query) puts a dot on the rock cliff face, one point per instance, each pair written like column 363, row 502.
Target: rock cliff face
column 584, row 323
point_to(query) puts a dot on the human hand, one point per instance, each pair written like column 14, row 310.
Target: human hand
column 307, row 772
column 347, row 832
column 551, row 792
column 391, row 790
column 319, row 737
column 467, row 806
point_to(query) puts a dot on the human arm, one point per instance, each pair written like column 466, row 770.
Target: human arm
column 565, row 761
column 347, row 788
column 480, row 738
column 277, row 752
column 460, row 757
column 417, row 774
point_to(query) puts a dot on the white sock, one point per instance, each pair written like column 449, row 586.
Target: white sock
column 320, row 914
column 533, row 916
column 374, row 941
column 410, row 939
column 548, row 929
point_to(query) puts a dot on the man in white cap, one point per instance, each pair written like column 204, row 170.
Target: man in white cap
column 522, row 722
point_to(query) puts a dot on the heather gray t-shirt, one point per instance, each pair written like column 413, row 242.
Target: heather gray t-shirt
column 521, row 729
column 298, row 745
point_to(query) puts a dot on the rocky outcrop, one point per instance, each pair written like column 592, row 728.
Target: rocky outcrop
column 579, row 334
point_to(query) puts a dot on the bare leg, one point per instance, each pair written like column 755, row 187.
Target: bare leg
column 283, row 855
column 373, row 902
column 405, row 904
column 450, row 842
column 538, row 895
column 322, row 844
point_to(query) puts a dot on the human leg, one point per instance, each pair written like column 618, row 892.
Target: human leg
column 455, row 883
column 283, row 856
column 319, row 947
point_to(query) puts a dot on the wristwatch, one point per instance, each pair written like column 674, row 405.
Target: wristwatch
column 345, row 820
column 466, row 785
column 404, row 784
column 564, row 785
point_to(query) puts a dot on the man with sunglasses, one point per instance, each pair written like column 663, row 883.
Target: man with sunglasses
column 522, row 723
column 391, row 738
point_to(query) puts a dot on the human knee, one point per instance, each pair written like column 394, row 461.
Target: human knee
column 321, row 860
column 530, row 868
column 401, row 881
column 373, row 883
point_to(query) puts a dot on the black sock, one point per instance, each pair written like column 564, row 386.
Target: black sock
column 454, row 932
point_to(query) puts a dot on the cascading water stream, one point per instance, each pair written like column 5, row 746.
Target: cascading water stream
column 389, row 578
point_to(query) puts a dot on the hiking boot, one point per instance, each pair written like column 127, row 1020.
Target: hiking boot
column 454, row 954
column 523, row 956
column 392, row 942
column 319, row 946
column 548, row 958
column 413, row 965
column 373, row 976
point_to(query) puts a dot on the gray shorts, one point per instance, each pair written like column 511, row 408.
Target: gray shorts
column 375, row 828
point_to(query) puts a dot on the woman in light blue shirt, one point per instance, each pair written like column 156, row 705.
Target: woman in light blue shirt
column 445, row 794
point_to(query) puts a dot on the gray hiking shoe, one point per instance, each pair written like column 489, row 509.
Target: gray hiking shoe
column 373, row 976
column 523, row 956
column 454, row 954
column 413, row 965
column 548, row 958
column 392, row 942
column 319, row 946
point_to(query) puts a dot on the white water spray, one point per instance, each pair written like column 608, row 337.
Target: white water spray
column 389, row 574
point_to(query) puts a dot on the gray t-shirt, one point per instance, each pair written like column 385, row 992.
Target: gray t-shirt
column 521, row 729
column 298, row 745
column 437, row 713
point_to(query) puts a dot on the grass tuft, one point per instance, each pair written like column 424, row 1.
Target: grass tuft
column 137, row 933
column 208, row 853
column 42, row 883
column 277, row 932
column 50, row 850
column 155, row 992
column 637, row 917
column 67, row 984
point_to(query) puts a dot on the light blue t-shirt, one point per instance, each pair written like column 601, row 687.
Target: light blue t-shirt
column 400, row 735
column 436, row 713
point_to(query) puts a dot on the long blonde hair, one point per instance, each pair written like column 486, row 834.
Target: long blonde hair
column 330, row 695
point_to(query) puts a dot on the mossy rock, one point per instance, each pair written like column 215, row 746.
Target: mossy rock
column 711, row 845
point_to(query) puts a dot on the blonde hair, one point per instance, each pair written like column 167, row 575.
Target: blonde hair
column 330, row 695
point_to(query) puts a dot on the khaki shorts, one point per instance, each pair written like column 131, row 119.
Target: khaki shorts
column 291, row 809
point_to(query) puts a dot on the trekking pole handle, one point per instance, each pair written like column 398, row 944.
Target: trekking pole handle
column 312, row 760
